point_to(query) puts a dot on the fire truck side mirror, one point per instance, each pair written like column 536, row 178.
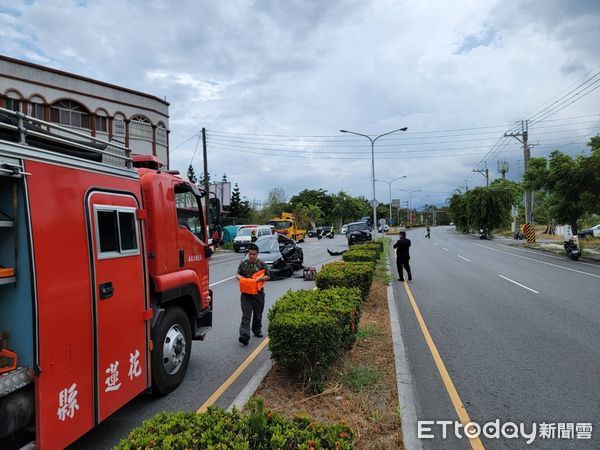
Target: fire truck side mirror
column 208, row 251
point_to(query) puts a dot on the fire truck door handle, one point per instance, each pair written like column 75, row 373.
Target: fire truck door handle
column 106, row 290
column 181, row 258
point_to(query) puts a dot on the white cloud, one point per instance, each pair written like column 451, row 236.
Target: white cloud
column 270, row 69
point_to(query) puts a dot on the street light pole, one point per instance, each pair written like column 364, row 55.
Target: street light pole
column 389, row 183
column 411, row 191
column 373, row 168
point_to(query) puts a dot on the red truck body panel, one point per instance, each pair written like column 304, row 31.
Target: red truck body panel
column 79, row 335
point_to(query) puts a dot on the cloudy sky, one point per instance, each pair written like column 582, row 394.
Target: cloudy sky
column 273, row 82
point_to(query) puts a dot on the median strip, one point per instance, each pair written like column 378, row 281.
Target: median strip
column 463, row 416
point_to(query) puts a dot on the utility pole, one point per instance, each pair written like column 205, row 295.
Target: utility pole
column 204, row 153
column 503, row 168
column 486, row 173
column 522, row 137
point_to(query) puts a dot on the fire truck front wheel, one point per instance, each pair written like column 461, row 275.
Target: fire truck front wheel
column 172, row 347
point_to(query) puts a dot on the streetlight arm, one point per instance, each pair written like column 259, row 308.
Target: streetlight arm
column 390, row 132
column 359, row 134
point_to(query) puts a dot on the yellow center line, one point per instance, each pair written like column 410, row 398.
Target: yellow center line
column 234, row 376
column 454, row 397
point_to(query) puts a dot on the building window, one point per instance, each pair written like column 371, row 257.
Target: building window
column 35, row 110
column 70, row 113
column 161, row 134
column 101, row 124
column 140, row 128
column 13, row 104
column 118, row 127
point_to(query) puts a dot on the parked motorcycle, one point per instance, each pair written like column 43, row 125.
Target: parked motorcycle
column 572, row 250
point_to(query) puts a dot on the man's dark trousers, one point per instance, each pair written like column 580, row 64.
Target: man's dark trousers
column 403, row 262
column 252, row 308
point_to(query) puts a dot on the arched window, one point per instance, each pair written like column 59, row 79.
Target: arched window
column 13, row 101
column 35, row 107
column 161, row 134
column 67, row 112
column 140, row 128
column 119, row 127
column 101, row 121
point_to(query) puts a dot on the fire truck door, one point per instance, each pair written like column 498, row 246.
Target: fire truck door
column 121, row 331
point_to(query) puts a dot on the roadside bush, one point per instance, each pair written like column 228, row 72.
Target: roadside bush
column 356, row 254
column 308, row 330
column 374, row 245
column 260, row 428
column 347, row 274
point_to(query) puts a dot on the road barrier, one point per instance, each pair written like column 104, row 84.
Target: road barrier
column 530, row 233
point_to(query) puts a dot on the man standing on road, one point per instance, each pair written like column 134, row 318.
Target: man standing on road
column 402, row 256
column 252, row 305
column 428, row 235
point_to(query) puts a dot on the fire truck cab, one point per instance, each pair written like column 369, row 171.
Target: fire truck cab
column 104, row 279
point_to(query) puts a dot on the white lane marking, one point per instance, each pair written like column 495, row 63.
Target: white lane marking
column 444, row 248
column 538, row 261
column 518, row 284
column 542, row 253
column 435, row 243
column 462, row 257
column 219, row 282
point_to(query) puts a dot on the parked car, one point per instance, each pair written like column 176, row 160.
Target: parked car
column 593, row 231
column 281, row 254
column 344, row 229
column 384, row 229
column 358, row 232
column 248, row 234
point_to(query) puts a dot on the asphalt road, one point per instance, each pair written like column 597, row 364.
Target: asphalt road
column 517, row 331
column 219, row 355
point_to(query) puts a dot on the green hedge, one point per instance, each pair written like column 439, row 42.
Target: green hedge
column 357, row 254
column 309, row 329
column 217, row 429
column 347, row 274
column 373, row 245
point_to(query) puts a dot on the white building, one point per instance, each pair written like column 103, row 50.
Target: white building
column 110, row 112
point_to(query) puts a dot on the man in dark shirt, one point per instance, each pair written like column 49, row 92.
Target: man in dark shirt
column 402, row 246
column 252, row 305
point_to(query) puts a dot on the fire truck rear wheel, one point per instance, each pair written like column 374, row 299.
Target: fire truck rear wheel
column 172, row 347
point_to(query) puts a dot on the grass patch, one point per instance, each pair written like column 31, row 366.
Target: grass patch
column 367, row 332
column 357, row 378
column 227, row 246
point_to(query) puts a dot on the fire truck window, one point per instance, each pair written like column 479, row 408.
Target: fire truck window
column 127, row 231
column 108, row 231
column 188, row 213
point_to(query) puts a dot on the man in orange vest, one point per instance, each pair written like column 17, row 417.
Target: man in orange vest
column 252, row 305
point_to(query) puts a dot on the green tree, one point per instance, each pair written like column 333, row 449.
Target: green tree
column 191, row 175
column 563, row 178
column 320, row 198
column 347, row 208
column 307, row 215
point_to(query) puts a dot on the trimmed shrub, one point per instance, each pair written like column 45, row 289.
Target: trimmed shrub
column 308, row 330
column 347, row 274
column 356, row 254
column 377, row 246
column 219, row 429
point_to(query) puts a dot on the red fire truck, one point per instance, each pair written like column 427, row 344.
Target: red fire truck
column 103, row 279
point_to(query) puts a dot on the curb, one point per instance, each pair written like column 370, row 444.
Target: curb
column 406, row 397
column 242, row 398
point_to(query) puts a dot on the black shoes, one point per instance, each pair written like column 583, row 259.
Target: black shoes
column 258, row 335
column 244, row 340
column 400, row 279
